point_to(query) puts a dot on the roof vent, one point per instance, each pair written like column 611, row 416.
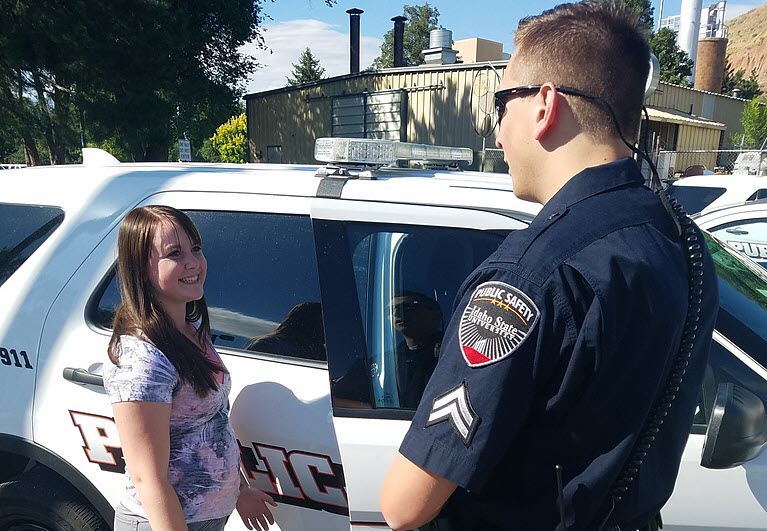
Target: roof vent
column 440, row 51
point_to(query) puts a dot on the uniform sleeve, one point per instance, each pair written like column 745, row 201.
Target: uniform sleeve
column 485, row 381
column 143, row 375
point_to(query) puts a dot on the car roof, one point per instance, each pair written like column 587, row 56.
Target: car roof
column 121, row 186
column 734, row 208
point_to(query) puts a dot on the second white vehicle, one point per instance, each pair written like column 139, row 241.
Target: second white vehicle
column 702, row 193
column 743, row 227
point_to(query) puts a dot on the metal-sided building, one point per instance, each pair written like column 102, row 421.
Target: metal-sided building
column 450, row 105
column 430, row 105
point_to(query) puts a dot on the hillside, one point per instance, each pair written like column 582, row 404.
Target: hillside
column 747, row 45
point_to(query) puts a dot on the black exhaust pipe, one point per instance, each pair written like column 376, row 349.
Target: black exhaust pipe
column 399, row 39
column 354, row 39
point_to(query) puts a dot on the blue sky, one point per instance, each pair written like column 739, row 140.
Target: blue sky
column 296, row 24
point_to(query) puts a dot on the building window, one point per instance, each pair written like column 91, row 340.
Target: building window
column 370, row 115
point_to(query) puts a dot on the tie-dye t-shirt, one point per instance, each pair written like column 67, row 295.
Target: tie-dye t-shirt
column 204, row 456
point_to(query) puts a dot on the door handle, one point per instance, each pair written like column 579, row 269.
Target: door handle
column 82, row 376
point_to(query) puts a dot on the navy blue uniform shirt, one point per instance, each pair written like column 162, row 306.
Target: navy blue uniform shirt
column 557, row 347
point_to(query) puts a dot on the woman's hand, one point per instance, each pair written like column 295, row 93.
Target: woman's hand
column 253, row 507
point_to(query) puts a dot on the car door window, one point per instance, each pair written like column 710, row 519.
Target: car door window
column 405, row 280
column 262, row 288
column 25, row 228
column 747, row 236
column 695, row 198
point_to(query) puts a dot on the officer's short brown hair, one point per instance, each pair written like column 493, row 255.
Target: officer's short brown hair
column 596, row 46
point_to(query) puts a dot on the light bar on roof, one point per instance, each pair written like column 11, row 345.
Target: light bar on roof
column 380, row 152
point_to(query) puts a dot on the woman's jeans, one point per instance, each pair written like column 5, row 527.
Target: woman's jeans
column 127, row 521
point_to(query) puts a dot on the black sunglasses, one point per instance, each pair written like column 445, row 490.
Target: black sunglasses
column 410, row 306
column 502, row 97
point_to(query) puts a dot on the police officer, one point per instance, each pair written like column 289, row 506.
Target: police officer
column 562, row 340
column 418, row 319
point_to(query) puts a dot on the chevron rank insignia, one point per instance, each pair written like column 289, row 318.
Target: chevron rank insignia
column 454, row 406
column 495, row 323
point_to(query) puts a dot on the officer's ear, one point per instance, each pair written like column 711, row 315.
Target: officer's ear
column 547, row 103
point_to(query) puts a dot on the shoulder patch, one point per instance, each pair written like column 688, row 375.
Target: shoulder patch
column 495, row 323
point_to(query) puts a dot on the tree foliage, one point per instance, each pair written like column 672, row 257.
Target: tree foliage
column 421, row 19
column 749, row 87
column 644, row 8
column 307, row 69
column 754, row 120
column 675, row 64
column 136, row 74
column 231, row 139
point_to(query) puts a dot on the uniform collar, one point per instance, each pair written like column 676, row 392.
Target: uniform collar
column 587, row 183
column 595, row 180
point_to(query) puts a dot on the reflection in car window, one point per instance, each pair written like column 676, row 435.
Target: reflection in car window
column 694, row 198
column 25, row 228
column 742, row 300
column 748, row 236
column 406, row 278
column 262, row 287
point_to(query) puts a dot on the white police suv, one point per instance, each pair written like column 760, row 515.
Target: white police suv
column 743, row 226
column 305, row 265
column 702, row 193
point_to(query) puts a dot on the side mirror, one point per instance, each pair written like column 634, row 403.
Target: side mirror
column 737, row 430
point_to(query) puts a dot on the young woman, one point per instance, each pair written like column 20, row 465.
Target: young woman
column 168, row 387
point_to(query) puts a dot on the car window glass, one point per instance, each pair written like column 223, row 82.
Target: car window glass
column 262, row 288
column 742, row 316
column 409, row 276
column 25, row 228
column 746, row 236
column 759, row 194
column 694, row 198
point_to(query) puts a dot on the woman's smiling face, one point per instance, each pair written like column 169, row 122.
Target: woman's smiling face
column 176, row 266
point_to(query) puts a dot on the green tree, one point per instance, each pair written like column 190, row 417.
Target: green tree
column 231, row 139
column 754, row 120
column 209, row 153
column 644, row 8
column 675, row 64
column 36, row 76
column 749, row 88
column 307, row 69
column 421, row 19
column 136, row 74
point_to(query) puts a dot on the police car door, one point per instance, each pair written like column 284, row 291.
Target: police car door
column 389, row 275
column 734, row 498
column 262, row 280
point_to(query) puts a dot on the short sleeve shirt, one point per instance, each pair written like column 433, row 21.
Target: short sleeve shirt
column 556, row 349
column 204, row 457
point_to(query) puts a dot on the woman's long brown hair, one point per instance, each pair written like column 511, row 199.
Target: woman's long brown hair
column 140, row 313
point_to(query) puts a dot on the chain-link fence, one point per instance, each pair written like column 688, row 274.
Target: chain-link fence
column 675, row 164
column 492, row 160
